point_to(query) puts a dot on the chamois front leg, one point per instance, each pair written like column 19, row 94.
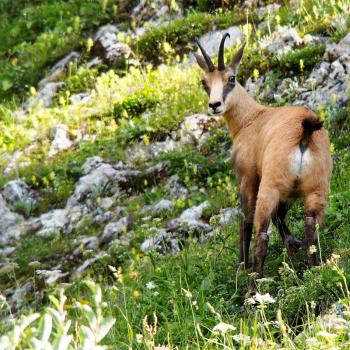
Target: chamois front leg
column 267, row 201
column 248, row 193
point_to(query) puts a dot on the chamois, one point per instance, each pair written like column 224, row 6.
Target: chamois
column 279, row 154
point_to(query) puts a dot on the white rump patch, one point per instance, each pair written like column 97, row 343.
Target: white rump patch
column 299, row 161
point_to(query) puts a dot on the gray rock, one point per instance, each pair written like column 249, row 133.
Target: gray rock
column 334, row 51
column 175, row 188
column 88, row 262
column 155, row 13
column 57, row 70
column 285, row 40
column 6, row 251
column 193, row 127
column 11, row 224
column 107, row 45
column 142, row 152
column 53, row 222
column 190, row 220
column 161, row 242
column 81, row 98
column 91, row 164
column 115, row 229
column 17, row 191
column 50, row 276
column 60, row 140
column 162, row 206
column 228, row 214
column 270, row 9
column 86, row 243
column 44, row 96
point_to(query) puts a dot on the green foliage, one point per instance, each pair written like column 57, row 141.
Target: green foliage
column 173, row 301
column 179, row 35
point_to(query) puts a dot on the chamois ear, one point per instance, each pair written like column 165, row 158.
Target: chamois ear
column 201, row 62
column 237, row 58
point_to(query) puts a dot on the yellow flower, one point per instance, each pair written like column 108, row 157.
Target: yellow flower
column 136, row 294
column 256, row 74
column 146, row 139
column 301, row 65
column 134, row 275
column 32, row 90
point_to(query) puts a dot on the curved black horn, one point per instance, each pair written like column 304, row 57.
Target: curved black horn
column 221, row 59
column 210, row 64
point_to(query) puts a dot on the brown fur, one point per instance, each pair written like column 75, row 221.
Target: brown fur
column 265, row 139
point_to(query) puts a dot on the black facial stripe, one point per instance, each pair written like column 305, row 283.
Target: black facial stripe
column 206, row 87
column 227, row 89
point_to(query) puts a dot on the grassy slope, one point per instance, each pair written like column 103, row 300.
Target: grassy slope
column 208, row 271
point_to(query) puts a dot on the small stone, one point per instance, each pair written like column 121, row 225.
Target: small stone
column 60, row 140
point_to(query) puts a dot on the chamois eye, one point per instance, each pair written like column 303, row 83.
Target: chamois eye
column 231, row 78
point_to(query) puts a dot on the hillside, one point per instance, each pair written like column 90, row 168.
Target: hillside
column 119, row 209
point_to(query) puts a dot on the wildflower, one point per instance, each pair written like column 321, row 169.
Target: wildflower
column 187, row 293
column 146, row 139
column 134, row 275
column 312, row 249
column 256, row 74
column 150, row 285
column 223, row 327
column 325, row 334
column 136, row 294
column 34, row 263
column 32, row 90
column 261, row 299
column 139, row 338
column 242, row 339
column 301, row 65
column 155, row 294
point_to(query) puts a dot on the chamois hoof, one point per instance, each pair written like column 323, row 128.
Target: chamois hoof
column 293, row 244
column 253, row 288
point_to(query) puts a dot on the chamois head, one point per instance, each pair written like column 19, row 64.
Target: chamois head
column 219, row 81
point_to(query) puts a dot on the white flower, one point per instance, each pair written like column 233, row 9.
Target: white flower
column 223, row 327
column 325, row 334
column 312, row 249
column 187, row 293
column 155, row 293
column 150, row 285
column 242, row 339
column 264, row 298
column 261, row 299
column 139, row 338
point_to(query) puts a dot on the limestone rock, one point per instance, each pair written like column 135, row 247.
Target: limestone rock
column 17, row 191
column 60, row 140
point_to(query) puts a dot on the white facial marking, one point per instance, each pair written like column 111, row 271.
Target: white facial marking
column 300, row 162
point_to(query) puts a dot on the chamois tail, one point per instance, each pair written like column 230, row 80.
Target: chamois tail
column 309, row 124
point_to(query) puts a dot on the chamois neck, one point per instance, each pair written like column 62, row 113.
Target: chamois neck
column 243, row 110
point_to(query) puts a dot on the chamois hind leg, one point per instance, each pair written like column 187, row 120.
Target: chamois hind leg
column 315, row 205
column 293, row 244
column 267, row 201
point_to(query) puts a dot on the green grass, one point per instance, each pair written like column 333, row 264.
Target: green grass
column 188, row 294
